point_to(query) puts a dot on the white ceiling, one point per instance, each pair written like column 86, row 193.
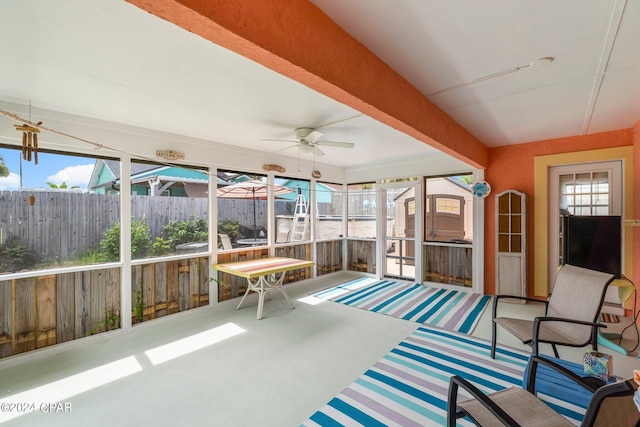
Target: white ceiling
column 112, row 61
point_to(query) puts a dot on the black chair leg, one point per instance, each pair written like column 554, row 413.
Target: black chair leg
column 555, row 351
column 493, row 340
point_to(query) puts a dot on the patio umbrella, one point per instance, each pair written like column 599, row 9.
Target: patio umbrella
column 250, row 190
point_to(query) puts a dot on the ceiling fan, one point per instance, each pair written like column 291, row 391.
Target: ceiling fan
column 308, row 141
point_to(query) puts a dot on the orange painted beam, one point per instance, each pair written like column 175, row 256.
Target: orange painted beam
column 297, row 40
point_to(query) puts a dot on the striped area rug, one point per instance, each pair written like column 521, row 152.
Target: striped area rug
column 448, row 309
column 408, row 386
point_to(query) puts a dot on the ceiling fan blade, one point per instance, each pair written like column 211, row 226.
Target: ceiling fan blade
column 317, row 152
column 335, row 144
column 313, row 136
column 279, row 140
column 285, row 148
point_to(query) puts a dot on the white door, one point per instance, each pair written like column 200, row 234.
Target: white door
column 400, row 210
column 581, row 189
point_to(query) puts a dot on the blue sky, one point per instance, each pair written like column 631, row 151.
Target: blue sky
column 55, row 168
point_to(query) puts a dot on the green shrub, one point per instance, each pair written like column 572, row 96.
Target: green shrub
column 161, row 247
column 141, row 245
column 191, row 230
column 111, row 321
column 16, row 256
column 138, row 306
column 229, row 227
column 90, row 256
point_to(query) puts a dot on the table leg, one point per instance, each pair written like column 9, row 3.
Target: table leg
column 262, row 285
column 249, row 286
column 261, row 291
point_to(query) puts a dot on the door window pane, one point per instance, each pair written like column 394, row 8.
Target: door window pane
column 584, row 194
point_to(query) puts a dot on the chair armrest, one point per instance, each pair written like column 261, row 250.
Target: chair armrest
column 590, row 384
column 538, row 320
column 498, row 297
column 452, row 404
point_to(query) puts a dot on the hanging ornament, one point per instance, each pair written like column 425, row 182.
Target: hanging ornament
column 29, row 141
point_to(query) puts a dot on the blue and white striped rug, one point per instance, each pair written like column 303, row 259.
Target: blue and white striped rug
column 449, row 309
column 408, row 386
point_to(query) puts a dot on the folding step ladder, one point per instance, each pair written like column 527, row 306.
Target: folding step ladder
column 300, row 223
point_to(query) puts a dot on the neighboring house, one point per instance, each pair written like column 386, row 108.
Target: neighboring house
column 150, row 180
column 324, row 193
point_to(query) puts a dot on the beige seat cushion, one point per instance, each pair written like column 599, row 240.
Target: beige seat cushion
column 521, row 405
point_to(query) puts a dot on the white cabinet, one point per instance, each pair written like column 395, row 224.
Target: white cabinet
column 511, row 243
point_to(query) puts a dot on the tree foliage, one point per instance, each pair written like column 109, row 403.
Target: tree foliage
column 4, row 170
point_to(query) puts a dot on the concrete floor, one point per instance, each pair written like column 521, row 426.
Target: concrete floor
column 219, row 367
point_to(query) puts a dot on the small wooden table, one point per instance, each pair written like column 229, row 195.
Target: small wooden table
column 262, row 275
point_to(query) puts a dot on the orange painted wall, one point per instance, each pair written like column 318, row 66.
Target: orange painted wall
column 512, row 167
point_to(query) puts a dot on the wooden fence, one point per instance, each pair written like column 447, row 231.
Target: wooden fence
column 60, row 225
column 448, row 264
column 162, row 288
column 361, row 255
column 41, row 311
column 328, row 257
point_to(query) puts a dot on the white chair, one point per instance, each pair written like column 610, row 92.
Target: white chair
column 226, row 242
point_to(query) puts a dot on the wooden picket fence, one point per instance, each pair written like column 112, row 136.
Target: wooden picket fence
column 448, row 264
column 40, row 311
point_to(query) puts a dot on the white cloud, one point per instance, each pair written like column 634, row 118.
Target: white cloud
column 73, row 176
column 10, row 183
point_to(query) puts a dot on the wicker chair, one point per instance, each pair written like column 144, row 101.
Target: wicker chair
column 611, row 405
column 571, row 312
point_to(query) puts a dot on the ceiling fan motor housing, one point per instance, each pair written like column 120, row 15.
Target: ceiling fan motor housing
column 308, row 134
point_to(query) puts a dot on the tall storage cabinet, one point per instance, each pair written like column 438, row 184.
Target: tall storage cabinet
column 511, row 243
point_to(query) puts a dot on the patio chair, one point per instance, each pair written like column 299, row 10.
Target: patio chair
column 610, row 405
column 226, row 242
column 571, row 312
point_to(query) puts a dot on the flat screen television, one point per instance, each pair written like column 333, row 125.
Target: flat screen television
column 593, row 242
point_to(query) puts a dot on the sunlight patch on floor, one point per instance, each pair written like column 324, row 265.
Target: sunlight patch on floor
column 57, row 391
column 311, row 300
column 190, row 344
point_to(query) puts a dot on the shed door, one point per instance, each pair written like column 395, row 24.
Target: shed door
column 445, row 218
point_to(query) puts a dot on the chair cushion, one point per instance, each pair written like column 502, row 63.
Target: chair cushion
column 549, row 331
column 554, row 384
column 521, row 405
